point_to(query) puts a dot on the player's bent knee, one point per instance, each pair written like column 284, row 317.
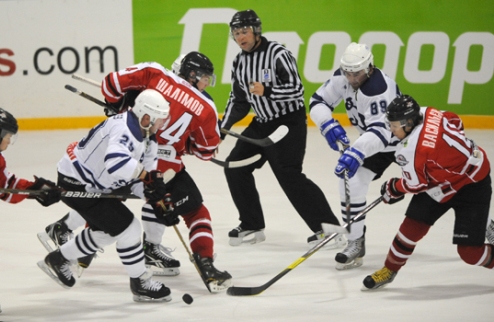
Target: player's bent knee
column 475, row 255
column 130, row 236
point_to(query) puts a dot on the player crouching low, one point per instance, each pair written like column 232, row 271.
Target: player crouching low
column 116, row 153
column 444, row 170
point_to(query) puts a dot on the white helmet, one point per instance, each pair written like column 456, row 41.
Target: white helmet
column 356, row 57
column 177, row 64
column 152, row 103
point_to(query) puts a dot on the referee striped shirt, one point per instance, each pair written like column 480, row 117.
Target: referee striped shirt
column 275, row 67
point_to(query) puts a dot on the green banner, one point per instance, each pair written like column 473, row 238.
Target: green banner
column 440, row 52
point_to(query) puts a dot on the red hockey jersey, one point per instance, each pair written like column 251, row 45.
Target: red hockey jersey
column 438, row 158
column 193, row 124
column 10, row 181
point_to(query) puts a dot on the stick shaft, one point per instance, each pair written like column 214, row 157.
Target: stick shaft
column 71, row 194
column 191, row 257
column 86, row 80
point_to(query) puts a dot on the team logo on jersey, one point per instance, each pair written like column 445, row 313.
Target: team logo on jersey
column 400, row 159
column 164, row 153
column 266, row 75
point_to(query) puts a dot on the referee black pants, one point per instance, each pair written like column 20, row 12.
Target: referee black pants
column 286, row 160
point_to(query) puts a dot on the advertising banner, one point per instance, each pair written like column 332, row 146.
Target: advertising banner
column 440, row 52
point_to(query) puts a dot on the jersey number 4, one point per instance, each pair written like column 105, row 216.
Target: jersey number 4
column 174, row 132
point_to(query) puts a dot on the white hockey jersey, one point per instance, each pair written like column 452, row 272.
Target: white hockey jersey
column 111, row 156
column 365, row 108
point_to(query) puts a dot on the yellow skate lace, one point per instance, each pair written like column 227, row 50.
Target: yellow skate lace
column 382, row 275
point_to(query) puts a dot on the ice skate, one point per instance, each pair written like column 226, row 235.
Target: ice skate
column 57, row 267
column 145, row 289
column 489, row 234
column 158, row 256
column 379, row 279
column 217, row 281
column 58, row 233
column 238, row 235
column 352, row 255
column 338, row 242
column 83, row 263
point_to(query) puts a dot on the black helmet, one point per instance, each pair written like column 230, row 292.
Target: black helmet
column 8, row 124
column 195, row 65
column 246, row 18
column 404, row 108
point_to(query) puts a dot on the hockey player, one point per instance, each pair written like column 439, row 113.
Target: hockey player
column 61, row 230
column 192, row 130
column 265, row 78
column 113, row 156
column 444, row 170
column 8, row 135
column 365, row 91
column 201, row 83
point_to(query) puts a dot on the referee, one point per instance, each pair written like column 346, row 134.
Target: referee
column 265, row 78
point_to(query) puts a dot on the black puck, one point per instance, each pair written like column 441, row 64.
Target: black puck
column 187, row 298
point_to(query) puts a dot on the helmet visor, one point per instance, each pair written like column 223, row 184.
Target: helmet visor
column 206, row 78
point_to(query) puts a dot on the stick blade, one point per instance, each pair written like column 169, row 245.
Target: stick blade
column 279, row 134
column 239, row 163
column 244, row 291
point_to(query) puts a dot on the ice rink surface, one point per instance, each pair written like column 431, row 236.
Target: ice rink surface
column 435, row 285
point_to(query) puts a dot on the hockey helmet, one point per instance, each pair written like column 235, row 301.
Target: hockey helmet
column 194, row 66
column 177, row 64
column 8, row 125
column 357, row 57
column 404, row 109
column 152, row 103
column 246, row 18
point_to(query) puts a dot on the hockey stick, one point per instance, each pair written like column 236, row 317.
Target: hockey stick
column 243, row 291
column 86, row 80
column 230, row 164
column 274, row 137
column 347, row 191
column 71, row 194
column 347, row 200
column 236, row 164
column 192, row 258
column 86, row 96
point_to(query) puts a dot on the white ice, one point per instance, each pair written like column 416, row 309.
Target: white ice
column 435, row 285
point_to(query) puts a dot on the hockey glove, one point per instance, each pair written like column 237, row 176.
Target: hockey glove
column 389, row 192
column 51, row 193
column 349, row 161
column 122, row 105
column 334, row 133
column 154, row 186
column 164, row 211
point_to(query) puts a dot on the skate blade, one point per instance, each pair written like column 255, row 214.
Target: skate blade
column 353, row 264
column 147, row 299
column 80, row 270
column 258, row 237
column 215, row 287
column 365, row 289
column 42, row 265
column 168, row 271
column 45, row 239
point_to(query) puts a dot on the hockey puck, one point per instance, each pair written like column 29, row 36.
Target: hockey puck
column 187, row 298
